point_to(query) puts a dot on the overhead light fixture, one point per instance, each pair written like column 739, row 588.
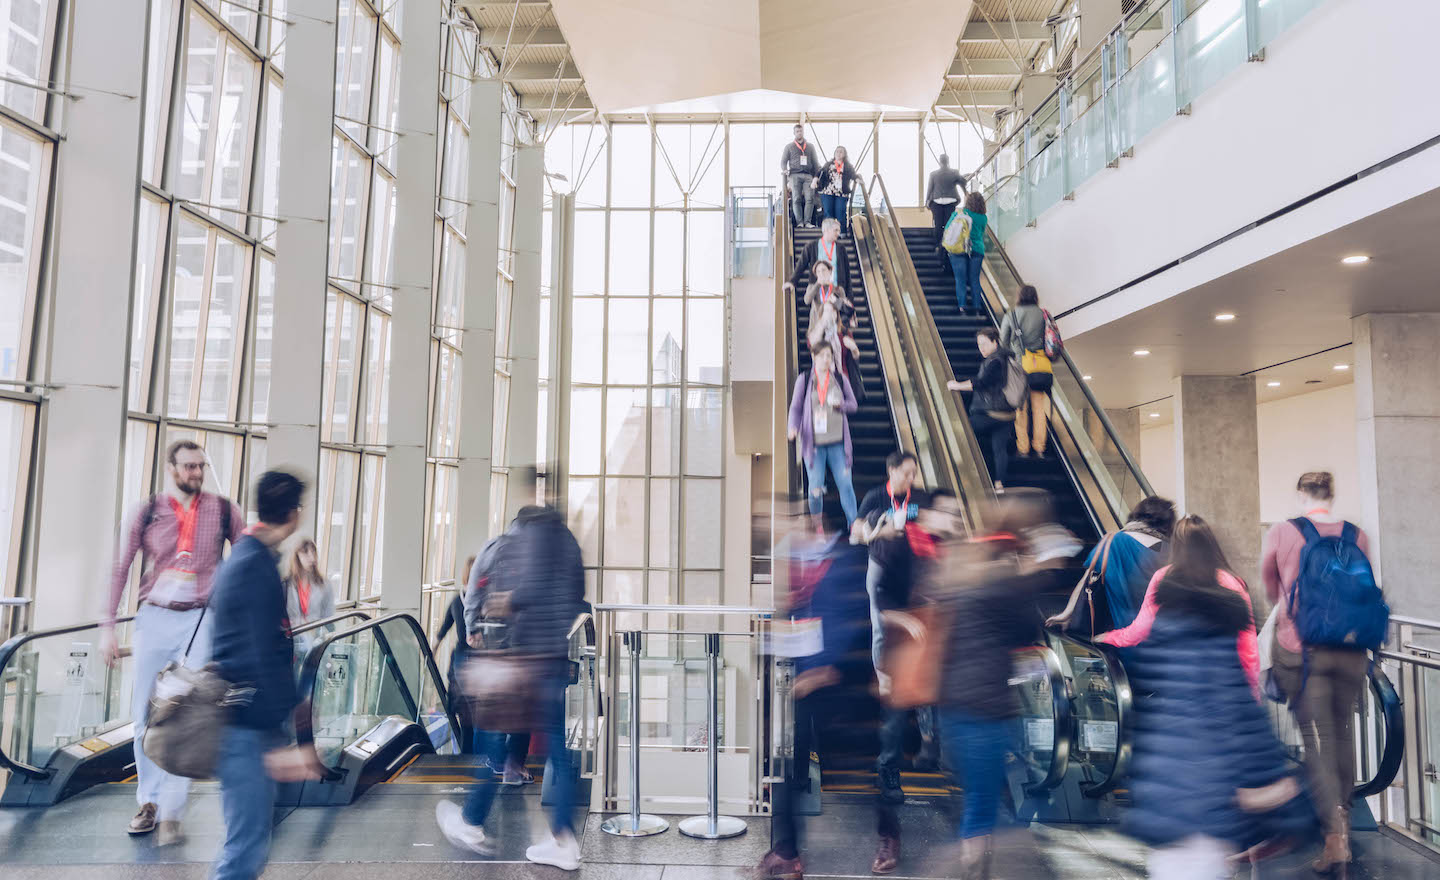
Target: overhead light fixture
column 1342, row 367
column 1272, row 384
column 1086, row 378
column 1154, row 415
column 1355, row 259
column 1224, row 316
column 1141, row 352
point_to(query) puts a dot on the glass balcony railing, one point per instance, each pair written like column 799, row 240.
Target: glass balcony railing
column 1153, row 65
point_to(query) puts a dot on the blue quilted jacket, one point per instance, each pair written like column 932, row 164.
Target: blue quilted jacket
column 1199, row 736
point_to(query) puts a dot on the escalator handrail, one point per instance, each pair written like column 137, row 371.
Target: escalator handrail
column 992, row 241
column 329, row 621
column 1064, row 708
column 1124, row 714
column 1393, row 754
column 303, row 715
column 9, row 650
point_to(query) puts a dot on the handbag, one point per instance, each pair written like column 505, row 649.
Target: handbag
column 1090, row 580
column 499, row 690
column 188, row 710
column 913, row 656
column 1265, row 644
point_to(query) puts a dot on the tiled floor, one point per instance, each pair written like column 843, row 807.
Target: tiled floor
column 390, row 834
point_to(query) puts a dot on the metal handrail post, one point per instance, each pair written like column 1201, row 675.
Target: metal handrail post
column 712, row 826
column 636, row 824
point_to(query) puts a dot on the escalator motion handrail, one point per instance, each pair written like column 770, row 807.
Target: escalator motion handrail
column 303, row 717
column 329, row 621
column 1124, row 714
column 1393, row 754
column 1064, row 722
column 10, row 650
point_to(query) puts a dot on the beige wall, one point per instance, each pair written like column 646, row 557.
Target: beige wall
column 1308, row 432
column 1157, row 458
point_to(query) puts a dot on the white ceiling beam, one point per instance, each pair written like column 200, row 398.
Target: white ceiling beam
column 966, row 98
column 545, row 38
column 541, row 103
column 1028, row 31
column 983, row 67
column 507, row 6
column 541, row 72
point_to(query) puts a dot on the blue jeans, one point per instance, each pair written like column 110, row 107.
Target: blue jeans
column 831, row 455
column 966, row 268
column 551, row 693
column 976, row 746
column 247, row 802
column 835, row 206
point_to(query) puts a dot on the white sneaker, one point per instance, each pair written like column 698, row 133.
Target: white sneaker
column 558, row 853
column 459, row 832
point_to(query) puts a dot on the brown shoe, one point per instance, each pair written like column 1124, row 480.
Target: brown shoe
column 887, row 856
column 776, row 867
column 144, row 821
column 168, row 833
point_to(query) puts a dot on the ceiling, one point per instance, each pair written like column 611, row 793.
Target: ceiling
column 998, row 44
column 1292, row 312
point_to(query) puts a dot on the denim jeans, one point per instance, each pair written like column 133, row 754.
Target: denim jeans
column 999, row 431
column 551, row 694
column 831, row 456
column 966, row 268
column 802, row 193
column 976, row 746
column 161, row 635
column 247, row 802
column 835, row 206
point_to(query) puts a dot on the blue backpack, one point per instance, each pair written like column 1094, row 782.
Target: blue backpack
column 1335, row 601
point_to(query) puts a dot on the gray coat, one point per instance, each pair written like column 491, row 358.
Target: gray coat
column 1023, row 329
column 945, row 183
column 792, row 161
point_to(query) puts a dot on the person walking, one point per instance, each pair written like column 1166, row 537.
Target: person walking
column 541, row 592
column 820, row 407
column 488, row 626
column 1323, row 681
column 308, row 595
column 1122, row 566
column 180, row 535
column 799, row 163
column 1209, row 779
column 1022, row 331
column 942, row 196
column 990, row 412
column 454, row 622
column 253, row 650
column 827, row 247
column 835, row 183
column 966, row 266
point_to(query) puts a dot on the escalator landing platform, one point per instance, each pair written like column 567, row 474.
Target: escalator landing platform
column 390, row 833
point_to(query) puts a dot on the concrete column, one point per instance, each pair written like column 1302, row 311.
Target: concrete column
column 525, row 326
column 477, row 375
column 1397, row 415
column 408, row 430
column 302, row 244
column 86, row 353
column 1217, row 463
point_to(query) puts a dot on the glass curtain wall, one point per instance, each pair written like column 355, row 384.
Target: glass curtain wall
column 31, row 33
column 205, row 262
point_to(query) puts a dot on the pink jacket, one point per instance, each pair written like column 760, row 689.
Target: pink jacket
column 1247, row 645
column 1280, row 566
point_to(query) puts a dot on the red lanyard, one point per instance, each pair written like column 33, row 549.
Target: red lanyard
column 302, row 591
column 1323, row 510
column 800, row 145
column 185, row 521
column 823, row 386
column 829, row 253
column 839, row 168
column 826, row 291
column 905, row 506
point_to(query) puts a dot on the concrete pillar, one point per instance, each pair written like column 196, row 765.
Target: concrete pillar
column 87, row 355
column 1097, row 19
column 1397, row 415
column 1217, row 463
column 302, row 244
column 477, row 372
column 408, row 431
column 525, row 327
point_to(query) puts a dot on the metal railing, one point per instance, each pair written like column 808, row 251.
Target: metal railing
column 1411, row 657
column 1149, row 68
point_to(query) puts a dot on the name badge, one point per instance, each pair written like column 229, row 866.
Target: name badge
column 174, row 586
column 900, row 519
column 796, row 638
column 822, row 420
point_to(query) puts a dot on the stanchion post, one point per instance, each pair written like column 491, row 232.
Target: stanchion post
column 713, row 826
column 636, row 824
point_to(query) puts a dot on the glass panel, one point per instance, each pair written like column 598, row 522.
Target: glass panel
column 705, row 341
column 277, row 32
column 149, row 266
column 704, row 519
column 450, row 305
column 666, row 354
column 630, row 165
column 589, row 252
column 455, row 175
column 382, row 238
column 665, row 431
column 1212, row 43
column 625, row 430
column 230, row 171
column 664, row 522
column 202, row 74
column 587, row 343
column 16, row 435
column 625, row 521
column 372, row 526
column 704, row 433
column 1276, row 16
column 21, row 220
column 336, row 498
column 159, row 62
column 900, row 161
column 342, row 340
column 187, row 295
column 224, row 328
column 354, row 42
column 584, row 511
column 377, row 378
column 669, row 256
column 387, row 102
column 501, row 407
column 585, row 431
column 349, row 186
column 705, row 255
column 750, row 165
column 270, row 189
column 447, row 402
column 1147, row 94
column 629, row 252
column 441, row 558
column 629, row 332
column 264, row 338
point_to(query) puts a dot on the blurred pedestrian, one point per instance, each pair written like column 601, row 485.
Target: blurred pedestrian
column 1119, row 569
column 541, row 593
column 454, row 622
column 1324, row 677
column 488, row 627
column 1209, row 778
column 308, row 596
column 991, row 412
column 820, row 407
column 835, row 183
column 254, row 651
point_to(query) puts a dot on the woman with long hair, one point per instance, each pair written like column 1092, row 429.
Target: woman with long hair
column 308, row 596
column 835, row 183
column 966, row 266
column 1209, row 779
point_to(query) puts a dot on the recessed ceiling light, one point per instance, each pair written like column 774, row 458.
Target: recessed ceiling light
column 1355, row 259
column 1342, row 367
column 1154, row 415
column 1141, row 352
column 1272, row 384
column 1224, row 316
column 1086, row 378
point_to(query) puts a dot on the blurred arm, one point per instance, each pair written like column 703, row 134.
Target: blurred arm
column 1137, row 632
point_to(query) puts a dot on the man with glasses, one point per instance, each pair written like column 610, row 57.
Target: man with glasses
column 181, row 533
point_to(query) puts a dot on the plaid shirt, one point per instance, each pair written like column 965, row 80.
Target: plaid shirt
column 155, row 530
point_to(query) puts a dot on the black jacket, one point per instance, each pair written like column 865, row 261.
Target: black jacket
column 988, row 618
column 539, row 565
column 810, row 253
column 990, row 383
column 252, row 640
column 847, row 177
